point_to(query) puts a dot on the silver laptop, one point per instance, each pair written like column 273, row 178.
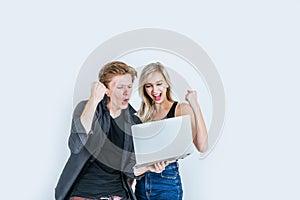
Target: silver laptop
column 167, row 139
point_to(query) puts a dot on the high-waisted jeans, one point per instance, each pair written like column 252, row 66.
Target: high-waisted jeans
column 160, row 186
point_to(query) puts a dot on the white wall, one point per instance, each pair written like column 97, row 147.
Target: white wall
column 254, row 45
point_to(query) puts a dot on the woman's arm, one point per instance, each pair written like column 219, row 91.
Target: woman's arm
column 200, row 137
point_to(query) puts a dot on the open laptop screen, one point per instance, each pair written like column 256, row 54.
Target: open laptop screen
column 167, row 139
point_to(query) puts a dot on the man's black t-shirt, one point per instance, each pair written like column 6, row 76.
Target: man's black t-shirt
column 102, row 177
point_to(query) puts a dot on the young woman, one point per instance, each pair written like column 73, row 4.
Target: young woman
column 157, row 104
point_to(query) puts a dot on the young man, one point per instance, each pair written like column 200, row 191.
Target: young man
column 102, row 157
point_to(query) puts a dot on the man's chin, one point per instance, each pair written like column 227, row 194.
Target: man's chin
column 124, row 105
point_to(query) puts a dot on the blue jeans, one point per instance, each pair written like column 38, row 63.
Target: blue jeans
column 161, row 186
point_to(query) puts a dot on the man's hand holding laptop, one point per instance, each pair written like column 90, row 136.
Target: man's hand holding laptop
column 156, row 167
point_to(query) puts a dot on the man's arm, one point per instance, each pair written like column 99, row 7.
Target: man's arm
column 83, row 117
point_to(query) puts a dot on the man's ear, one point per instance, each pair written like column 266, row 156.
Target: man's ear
column 107, row 92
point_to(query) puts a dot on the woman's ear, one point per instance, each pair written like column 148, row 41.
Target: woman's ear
column 107, row 92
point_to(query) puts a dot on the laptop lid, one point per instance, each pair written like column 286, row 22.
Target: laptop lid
column 167, row 139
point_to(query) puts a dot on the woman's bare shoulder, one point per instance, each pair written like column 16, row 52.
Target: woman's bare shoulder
column 183, row 109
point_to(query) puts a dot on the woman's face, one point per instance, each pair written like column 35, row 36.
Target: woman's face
column 156, row 87
column 119, row 91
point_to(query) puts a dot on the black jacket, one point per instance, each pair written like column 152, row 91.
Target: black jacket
column 83, row 146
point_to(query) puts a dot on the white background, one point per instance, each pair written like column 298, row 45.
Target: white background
column 254, row 45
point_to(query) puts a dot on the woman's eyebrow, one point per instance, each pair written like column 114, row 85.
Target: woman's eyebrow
column 154, row 82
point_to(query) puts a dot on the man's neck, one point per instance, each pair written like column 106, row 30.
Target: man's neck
column 114, row 113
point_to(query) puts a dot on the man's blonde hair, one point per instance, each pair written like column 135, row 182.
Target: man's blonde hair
column 115, row 68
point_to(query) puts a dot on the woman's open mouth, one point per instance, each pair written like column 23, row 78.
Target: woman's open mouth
column 157, row 97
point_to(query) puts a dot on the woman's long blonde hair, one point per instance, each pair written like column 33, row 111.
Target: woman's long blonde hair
column 147, row 105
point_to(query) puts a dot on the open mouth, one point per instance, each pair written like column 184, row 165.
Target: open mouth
column 125, row 101
column 157, row 97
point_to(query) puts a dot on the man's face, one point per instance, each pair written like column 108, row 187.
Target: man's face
column 119, row 91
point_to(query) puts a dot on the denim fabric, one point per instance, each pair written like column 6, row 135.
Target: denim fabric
column 160, row 186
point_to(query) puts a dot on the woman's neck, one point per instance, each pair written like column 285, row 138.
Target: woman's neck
column 161, row 109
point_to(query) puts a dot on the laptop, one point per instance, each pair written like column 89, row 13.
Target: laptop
column 167, row 139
